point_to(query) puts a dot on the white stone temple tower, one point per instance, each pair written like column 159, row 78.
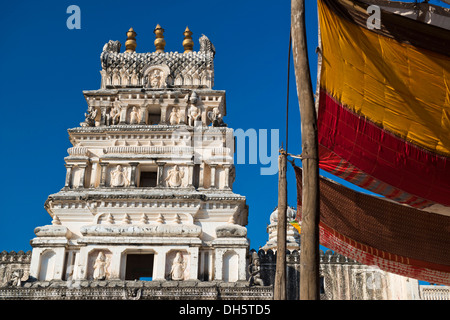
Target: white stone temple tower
column 148, row 191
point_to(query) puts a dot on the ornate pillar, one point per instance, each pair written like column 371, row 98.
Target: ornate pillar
column 103, row 116
column 103, row 166
column 143, row 115
column 82, row 175
column 227, row 177
column 201, row 176
column 94, row 174
column 213, row 175
column 133, row 173
column 160, row 173
column 68, row 175
column 163, row 114
column 190, row 175
column 159, row 263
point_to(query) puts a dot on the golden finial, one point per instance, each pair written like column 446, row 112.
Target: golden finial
column 131, row 44
column 188, row 44
column 160, row 43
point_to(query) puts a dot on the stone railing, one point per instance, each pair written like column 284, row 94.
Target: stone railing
column 78, row 151
column 14, row 267
column 135, row 290
column 149, row 150
column 15, row 257
column 434, row 292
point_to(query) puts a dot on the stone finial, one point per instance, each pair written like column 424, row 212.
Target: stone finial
column 144, row 219
column 188, row 44
column 160, row 43
column 131, row 44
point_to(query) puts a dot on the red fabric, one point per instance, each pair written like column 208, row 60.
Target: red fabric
column 370, row 256
column 375, row 231
column 331, row 162
column 381, row 155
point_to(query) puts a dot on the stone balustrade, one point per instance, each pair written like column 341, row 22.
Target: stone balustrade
column 430, row 292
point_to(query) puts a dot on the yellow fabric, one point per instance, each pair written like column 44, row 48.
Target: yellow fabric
column 401, row 88
column 296, row 225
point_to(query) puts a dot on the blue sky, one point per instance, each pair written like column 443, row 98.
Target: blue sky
column 45, row 67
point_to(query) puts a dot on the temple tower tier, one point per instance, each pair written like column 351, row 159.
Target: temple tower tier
column 148, row 187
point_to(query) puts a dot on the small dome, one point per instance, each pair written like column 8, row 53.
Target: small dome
column 291, row 213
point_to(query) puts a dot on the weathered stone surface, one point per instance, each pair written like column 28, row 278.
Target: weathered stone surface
column 231, row 230
column 52, row 231
column 162, row 230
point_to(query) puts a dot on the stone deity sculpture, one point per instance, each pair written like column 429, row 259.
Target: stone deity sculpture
column 100, row 266
column 174, row 177
column 134, row 116
column 193, row 115
column 174, row 117
column 216, row 118
column 156, row 79
column 178, row 267
column 16, row 278
column 119, row 177
column 114, row 115
column 89, row 117
column 254, row 269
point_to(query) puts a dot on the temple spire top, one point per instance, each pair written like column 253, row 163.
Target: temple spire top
column 131, row 44
column 188, row 44
column 160, row 43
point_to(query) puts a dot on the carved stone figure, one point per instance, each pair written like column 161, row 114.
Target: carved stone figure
column 254, row 269
column 89, row 117
column 156, row 78
column 178, row 267
column 112, row 46
column 119, row 177
column 115, row 115
column 16, row 278
column 134, row 116
column 174, row 117
column 194, row 114
column 174, row 177
column 216, row 118
column 100, row 266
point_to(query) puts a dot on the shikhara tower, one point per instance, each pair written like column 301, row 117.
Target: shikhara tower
column 148, row 189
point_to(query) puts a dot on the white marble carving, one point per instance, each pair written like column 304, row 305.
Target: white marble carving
column 156, row 76
column 194, row 114
column 100, row 267
column 175, row 177
column 174, row 117
column 134, row 116
column 178, row 267
column 119, row 177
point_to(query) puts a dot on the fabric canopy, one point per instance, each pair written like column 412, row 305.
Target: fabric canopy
column 383, row 233
column 384, row 103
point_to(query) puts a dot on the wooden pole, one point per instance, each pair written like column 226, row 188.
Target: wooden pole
column 280, row 273
column 309, row 247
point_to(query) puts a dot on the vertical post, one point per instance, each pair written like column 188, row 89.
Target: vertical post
column 103, row 166
column 309, row 249
column 82, row 175
column 160, row 174
column 133, row 174
column 213, row 175
column 280, row 273
column 68, row 175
